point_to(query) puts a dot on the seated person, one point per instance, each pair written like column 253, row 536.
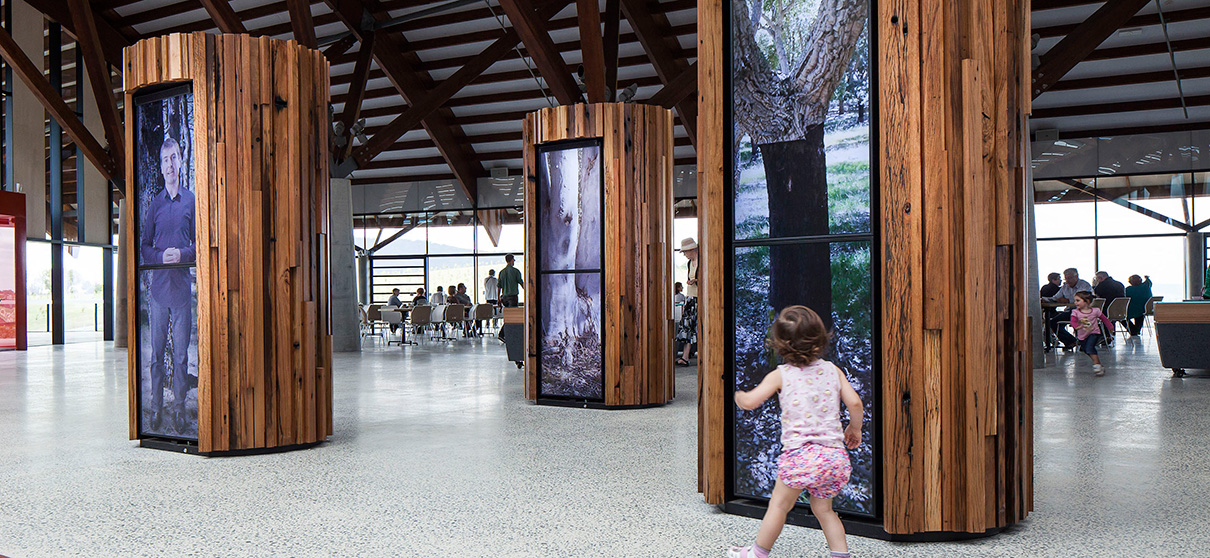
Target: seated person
column 437, row 298
column 420, row 299
column 1072, row 284
column 394, row 302
column 1139, row 292
column 1051, row 288
column 1108, row 288
column 678, row 297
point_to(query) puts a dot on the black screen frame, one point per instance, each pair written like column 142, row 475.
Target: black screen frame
column 874, row 238
column 540, row 150
column 144, row 96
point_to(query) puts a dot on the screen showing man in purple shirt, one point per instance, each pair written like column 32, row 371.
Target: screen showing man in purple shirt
column 168, row 240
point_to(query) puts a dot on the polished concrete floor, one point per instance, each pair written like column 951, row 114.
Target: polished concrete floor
column 437, row 454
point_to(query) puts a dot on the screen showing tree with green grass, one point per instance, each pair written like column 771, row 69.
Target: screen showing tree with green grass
column 801, row 186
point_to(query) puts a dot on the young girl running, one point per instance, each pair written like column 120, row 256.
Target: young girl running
column 813, row 443
column 1084, row 320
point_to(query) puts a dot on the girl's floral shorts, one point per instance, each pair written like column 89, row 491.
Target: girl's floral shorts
column 820, row 470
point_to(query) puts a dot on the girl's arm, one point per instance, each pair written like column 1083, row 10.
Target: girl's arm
column 1075, row 320
column 749, row 400
column 848, row 395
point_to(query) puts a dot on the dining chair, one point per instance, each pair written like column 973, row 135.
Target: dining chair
column 421, row 319
column 454, row 316
column 1117, row 315
column 393, row 318
column 482, row 313
column 1149, row 313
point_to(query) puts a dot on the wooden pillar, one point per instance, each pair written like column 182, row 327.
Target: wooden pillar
column 260, row 153
column 954, row 380
column 636, row 163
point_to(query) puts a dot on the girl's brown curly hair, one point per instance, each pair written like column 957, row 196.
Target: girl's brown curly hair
column 799, row 336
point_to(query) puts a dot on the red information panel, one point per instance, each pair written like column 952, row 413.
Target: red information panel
column 12, row 271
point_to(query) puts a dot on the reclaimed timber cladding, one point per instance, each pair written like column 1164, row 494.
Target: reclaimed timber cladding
column 956, row 405
column 955, row 374
column 637, row 168
column 713, row 396
column 261, row 174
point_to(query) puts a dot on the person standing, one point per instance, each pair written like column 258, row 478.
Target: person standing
column 510, row 283
column 686, row 331
column 678, row 294
column 814, row 441
column 1139, row 292
column 491, row 292
column 168, row 238
column 1072, row 284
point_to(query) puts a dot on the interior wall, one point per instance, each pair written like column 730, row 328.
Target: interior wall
column 92, row 190
column 29, row 122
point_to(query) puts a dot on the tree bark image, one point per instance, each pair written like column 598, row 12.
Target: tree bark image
column 782, row 107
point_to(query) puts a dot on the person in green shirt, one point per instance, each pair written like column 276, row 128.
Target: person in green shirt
column 1206, row 285
column 510, row 283
column 1139, row 292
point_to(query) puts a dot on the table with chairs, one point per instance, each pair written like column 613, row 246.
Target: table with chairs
column 438, row 322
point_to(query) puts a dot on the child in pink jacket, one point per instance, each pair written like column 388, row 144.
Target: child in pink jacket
column 1084, row 321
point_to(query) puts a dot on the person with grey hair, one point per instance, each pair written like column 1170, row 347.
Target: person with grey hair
column 1072, row 284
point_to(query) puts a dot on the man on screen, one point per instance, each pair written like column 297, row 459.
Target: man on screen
column 168, row 238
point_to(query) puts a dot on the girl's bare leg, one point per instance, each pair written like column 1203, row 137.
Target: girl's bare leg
column 833, row 529
column 780, row 504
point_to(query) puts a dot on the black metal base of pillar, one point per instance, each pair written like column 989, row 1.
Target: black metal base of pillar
column 595, row 404
column 181, row 446
column 861, row 527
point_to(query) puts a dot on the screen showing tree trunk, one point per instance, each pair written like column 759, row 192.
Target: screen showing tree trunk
column 167, row 276
column 570, row 242
column 800, row 162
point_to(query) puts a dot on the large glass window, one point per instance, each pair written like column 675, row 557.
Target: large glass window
column 429, row 250
column 1123, row 225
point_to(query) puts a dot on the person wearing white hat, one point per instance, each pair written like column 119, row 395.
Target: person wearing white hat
column 686, row 330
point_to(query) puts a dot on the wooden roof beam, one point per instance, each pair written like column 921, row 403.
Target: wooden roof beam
column 534, row 33
column 224, row 17
column 89, row 41
column 112, row 42
column 1114, row 108
column 676, row 90
column 1161, row 76
column 654, row 32
column 302, row 22
column 401, row 65
column 1082, row 41
column 337, row 49
column 1191, row 14
column 53, row 103
column 592, row 48
column 435, row 98
column 357, row 93
column 1132, row 130
column 611, row 40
